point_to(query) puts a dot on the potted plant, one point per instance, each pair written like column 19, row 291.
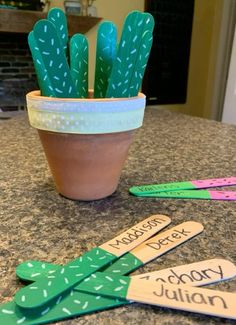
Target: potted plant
column 86, row 134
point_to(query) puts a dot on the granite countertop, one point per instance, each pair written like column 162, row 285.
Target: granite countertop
column 37, row 223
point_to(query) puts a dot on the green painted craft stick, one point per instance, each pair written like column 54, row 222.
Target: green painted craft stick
column 105, row 55
column 44, row 290
column 195, row 274
column 79, row 64
column 78, row 303
column 54, row 59
column 58, row 18
column 139, row 256
column 75, row 303
column 181, row 297
column 136, row 24
column 189, row 185
column 141, row 64
column 195, row 194
column 41, row 72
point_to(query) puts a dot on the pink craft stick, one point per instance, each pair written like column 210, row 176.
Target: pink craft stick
column 223, row 195
column 205, row 183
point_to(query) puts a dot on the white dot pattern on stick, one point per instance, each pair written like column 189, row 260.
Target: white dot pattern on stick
column 79, row 64
column 125, row 65
column 53, row 57
column 64, row 279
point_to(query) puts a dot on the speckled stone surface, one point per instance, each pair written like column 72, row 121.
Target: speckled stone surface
column 37, row 223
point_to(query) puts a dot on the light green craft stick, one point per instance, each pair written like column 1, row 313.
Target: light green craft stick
column 54, row 59
column 58, row 18
column 136, row 24
column 79, row 64
column 105, row 55
column 141, row 64
column 41, row 72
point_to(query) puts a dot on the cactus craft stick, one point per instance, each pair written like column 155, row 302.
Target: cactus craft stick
column 199, row 194
column 194, row 274
column 79, row 64
column 58, row 18
column 189, row 185
column 77, row 303
column 140, row 255
column 136, row 24
column 54, row 59
column 75, row 271
column 141, row 64
column 182, row 297
column 42, row 75
column 105, row 55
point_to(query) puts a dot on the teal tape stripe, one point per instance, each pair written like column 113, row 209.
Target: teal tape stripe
column 85, row 116
column 106, row 284
column 148, row 189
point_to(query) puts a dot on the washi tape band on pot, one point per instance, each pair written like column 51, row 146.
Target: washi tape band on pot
column 85, row 116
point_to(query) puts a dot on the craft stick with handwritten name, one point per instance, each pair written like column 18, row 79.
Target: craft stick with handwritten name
column 44, row 290
column 196, row 274
column 33, row 270
column 74, row 304
column 177, row 186
column 199, row 194
column 156, row 246
column 182, row 297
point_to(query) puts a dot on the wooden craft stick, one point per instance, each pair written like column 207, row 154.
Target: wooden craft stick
column 182, row 297
column 196, row 274
column 33, row 270
column 44, row 290
column 156, row 246
column 177, row 186
column 199, row 194
column 105, row 56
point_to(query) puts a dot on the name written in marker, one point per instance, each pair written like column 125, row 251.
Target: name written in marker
column 176, row 235
column 175, row 277
column 136, row 232
column 183, row 295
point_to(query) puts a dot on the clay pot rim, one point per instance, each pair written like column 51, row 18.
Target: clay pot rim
column 85, row 115
column 35, row 95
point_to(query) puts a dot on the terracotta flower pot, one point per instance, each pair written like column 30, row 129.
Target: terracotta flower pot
column 86, row 141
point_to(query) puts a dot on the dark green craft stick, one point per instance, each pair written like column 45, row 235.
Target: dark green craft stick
column 141, row 64
column 105, row 55
column 75, row 303
column 180, row 297
column 58, row 18
column 79, row 64
column 41, row 72
column 54, row 59
column 136, row 24
column 45, row 290
column 122, row 65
